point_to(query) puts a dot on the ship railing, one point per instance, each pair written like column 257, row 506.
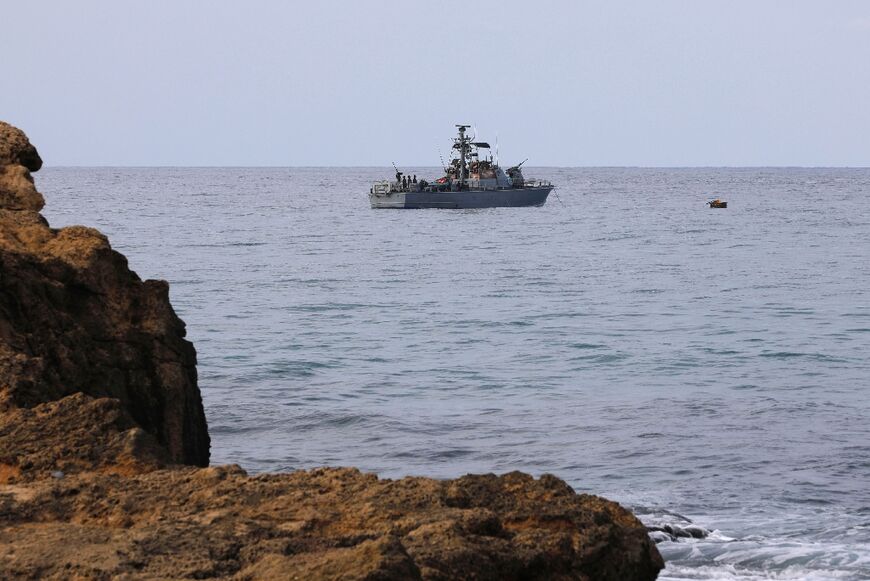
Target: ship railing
column 535, row 183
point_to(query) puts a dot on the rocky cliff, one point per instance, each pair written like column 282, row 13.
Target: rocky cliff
column 75, row 319
column 99, row 410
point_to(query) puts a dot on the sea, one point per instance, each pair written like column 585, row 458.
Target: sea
column 707, row 368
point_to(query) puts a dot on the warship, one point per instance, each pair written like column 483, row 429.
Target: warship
column 472, row 179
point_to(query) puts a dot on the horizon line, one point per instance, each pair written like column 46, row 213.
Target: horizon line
column 101, row 166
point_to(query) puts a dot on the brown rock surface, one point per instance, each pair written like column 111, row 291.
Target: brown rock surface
column 321, row 524
column 16, row 149
column 75, row 319
column 17, row 159
column 75, row 434
column 99, row 403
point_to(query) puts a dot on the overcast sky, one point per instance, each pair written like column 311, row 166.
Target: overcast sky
column 650, row 83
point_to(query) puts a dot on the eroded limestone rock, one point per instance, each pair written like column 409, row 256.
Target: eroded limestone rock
column 75, row 319
column 320, row 524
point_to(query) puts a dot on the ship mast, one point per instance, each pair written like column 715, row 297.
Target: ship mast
column 462, row 144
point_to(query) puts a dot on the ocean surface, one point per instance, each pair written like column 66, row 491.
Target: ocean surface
column 703, row 367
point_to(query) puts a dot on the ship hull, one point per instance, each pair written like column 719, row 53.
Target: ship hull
column 513, row 198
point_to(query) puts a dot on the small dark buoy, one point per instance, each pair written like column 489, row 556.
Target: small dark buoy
column 717, row 203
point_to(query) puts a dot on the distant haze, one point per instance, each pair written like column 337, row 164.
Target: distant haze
column 665, row 83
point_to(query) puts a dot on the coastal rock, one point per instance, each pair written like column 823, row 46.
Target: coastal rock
column 16, row 149
column 17, row 159
column 75, row 434
column 17, row 191
column 674, row 532
column 75, row 319
column 333, row 523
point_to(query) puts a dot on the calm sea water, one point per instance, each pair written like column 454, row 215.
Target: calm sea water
column 697, row 365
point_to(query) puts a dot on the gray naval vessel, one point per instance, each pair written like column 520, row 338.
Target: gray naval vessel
column 471, row 180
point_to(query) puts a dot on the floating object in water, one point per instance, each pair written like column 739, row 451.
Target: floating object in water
column 717, row 203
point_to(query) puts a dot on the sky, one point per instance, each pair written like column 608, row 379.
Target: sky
column 328, row 83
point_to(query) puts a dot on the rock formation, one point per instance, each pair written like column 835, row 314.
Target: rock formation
column 75, row 319
column 99, row 407
column 17, row 159
column 334, row 523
